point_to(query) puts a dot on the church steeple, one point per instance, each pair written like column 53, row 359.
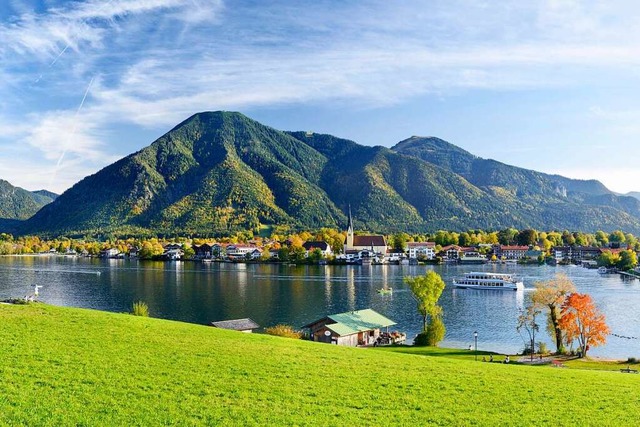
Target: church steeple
column 348, row 244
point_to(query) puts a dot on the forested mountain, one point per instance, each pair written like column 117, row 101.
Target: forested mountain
column 18, row 203
column 220, row 171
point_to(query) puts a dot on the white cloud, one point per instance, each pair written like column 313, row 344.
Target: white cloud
column 157, row 61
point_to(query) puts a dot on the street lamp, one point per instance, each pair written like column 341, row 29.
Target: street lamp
column 475, row 338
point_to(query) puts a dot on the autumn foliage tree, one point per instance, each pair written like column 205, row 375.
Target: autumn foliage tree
column 581, row 321
column 550, row 295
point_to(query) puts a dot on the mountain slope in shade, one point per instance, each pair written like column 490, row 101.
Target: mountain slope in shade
column 18, row 204
column 219, row 171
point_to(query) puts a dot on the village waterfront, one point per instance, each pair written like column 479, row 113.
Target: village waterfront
column 277, row 293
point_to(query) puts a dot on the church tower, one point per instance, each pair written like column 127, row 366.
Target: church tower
column 348, row 244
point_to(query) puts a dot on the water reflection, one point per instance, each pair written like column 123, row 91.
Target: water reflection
column 272, row 294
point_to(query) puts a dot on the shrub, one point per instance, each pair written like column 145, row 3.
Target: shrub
column 435, row 331
column 542, row 348
column 140, row 309
column 284, row 331
column 421, row 339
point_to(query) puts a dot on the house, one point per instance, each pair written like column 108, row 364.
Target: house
column 173, row 254
column 218, row 250
column 324, row 247
column 203, row 251
column 240, row 250
column 255, row 254
column 242, row 325
column 450, row 253
column 352, row 328
column 423, row 250
column 373, row 243
column 562, row 254
column 109, row 253
column 511, row 251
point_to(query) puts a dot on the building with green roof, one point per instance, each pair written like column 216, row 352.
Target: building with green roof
column 352, row 328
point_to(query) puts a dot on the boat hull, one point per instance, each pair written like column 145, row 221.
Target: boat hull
column 518, row 286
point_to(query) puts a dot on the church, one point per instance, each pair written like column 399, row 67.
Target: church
column 375, row 243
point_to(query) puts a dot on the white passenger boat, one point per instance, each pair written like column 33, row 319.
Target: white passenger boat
column 481, row 280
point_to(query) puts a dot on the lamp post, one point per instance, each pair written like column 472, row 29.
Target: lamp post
column 475, row 338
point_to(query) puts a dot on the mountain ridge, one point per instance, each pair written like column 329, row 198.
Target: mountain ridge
column 217, row 172
column 19, row 204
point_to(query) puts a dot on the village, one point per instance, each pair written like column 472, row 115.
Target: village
column 374, row 249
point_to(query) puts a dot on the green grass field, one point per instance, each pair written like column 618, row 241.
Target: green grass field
column 64, row 366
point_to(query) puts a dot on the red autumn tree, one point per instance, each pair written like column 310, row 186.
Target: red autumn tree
column 582, row 321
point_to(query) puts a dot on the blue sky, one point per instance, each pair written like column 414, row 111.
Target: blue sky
column 550, row 85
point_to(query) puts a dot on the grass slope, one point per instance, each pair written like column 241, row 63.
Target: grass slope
column 63, row 366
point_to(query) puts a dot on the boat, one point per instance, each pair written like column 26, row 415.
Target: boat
column 385, row 291
column 482, row 280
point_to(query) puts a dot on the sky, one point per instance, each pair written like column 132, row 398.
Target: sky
column 550, row 85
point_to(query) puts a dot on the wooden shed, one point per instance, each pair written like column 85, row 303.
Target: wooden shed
column 351, row 328
column 243, row 325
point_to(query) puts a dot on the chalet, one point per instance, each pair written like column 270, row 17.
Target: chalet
column 242, row 325
column 218, row 250
column 203, row 251
column 373, row 243
column 352, row 328
column 172, row 246
column 425, row 250
column 450, row 253
column 324, row 247
column 587, row 253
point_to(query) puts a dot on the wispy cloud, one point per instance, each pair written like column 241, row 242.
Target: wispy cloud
column 157, row 61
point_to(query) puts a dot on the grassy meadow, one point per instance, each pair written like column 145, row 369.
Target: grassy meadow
column 65, row 366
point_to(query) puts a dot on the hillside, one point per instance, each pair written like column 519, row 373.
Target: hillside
column 219, row 172
column 549, row 200
column 96, row 368
column 17, row 203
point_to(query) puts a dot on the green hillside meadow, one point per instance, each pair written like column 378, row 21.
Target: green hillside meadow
column 64, row 366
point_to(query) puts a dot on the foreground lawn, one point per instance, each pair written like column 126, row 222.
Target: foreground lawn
column 63, row 366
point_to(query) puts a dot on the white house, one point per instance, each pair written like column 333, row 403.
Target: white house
column 324, row 247
column 425, row 250
column 240, row 250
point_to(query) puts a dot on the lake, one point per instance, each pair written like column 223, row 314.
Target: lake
column 296, row 295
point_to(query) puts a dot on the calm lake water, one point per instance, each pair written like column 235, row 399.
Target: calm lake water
column 271, row 294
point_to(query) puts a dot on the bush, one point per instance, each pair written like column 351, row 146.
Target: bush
column 435, row 331
column 542, row 348
column 632, row 360
column 283, row 331
column 140, row 309
column 421, row 339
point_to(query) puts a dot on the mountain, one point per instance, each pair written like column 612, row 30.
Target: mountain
column 221, row 171
column 551, row 200
column 17, row 203
column 635, row 194
column 45, row 193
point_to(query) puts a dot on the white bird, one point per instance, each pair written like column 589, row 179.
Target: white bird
column 36, row 290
